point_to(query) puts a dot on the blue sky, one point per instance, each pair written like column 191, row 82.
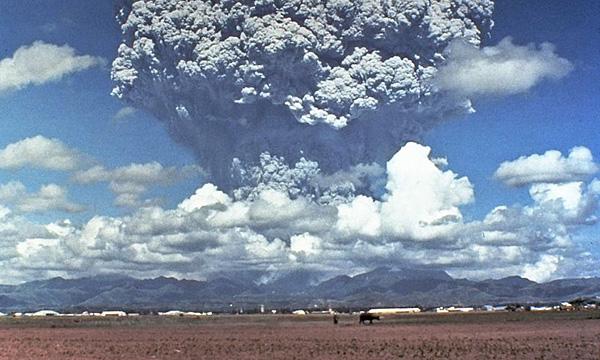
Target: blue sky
column 553, row 115
column 79, row 110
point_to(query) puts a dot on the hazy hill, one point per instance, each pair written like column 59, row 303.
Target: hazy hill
column 297, row 289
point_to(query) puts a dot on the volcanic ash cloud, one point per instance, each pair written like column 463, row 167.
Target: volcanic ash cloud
column 339, row 82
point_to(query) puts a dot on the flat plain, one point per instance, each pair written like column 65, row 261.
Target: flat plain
column 553, row 335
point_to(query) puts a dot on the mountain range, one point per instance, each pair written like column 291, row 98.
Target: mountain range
column 295, row 289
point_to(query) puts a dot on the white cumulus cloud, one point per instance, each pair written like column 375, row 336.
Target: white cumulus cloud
column 543, row 269
column 503, row 69
column 130, row 182
column 416, row 222
column 50, row 197
column 422, row 201
column 573, row 201
column 40, row 63
column 550, row 167
column 40, row 152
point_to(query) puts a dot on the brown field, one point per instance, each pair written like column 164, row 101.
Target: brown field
column 574, row 335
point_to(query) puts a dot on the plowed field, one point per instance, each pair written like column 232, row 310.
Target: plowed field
column 426, row 336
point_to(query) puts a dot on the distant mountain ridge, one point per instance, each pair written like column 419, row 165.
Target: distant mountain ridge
column 296, row 289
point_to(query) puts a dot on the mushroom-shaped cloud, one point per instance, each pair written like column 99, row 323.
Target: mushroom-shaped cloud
column 324, row 79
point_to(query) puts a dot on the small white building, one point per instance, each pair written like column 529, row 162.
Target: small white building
column 393, row 311
column 113, row 313
column 194, row 313
column 460, row 309
column 299, row 312
column 541, row 308
column 42, row 313
column 171, row 313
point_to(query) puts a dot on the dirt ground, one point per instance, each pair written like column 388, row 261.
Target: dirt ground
column 426, row 336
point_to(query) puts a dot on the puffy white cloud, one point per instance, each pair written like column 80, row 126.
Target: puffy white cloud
column 207, row 195
column 40, row 63
column 503, row 69
column 140, row 253
column 574, row 202
column 12, row 190
column 422, row 201
column 32, row 247
column 361, row 216
column 40, row 152
column 416, row 222
column 569, row 195
column 130, row 182
column 305, row 244
column 543, row 269
column 147, row 173
column 49, row 197
column 550, row 167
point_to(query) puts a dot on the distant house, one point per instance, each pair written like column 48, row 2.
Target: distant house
column 113, row 313
column 541, row 308
column 192, row 313
column 460, row 309
column 42, row 313
column 393, row 311
column 171, row 313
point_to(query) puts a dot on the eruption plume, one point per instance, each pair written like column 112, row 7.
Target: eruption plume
column 339, row 82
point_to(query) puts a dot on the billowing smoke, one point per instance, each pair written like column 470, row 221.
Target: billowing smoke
column 340, row 82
